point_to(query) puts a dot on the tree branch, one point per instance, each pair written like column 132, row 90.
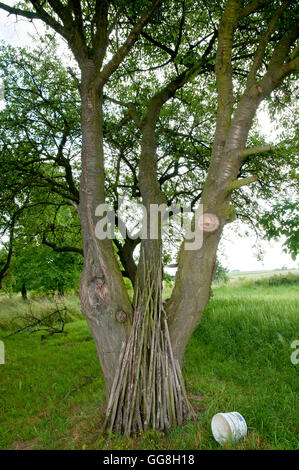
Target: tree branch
column 158, row 44
column 61, row 249
column 255, row 150
column 278, row 69
column 130, row 106
column 48, row 19
column 263, row 42
column 31, row 15
column 224, row 71
column 122, row 52
column 101, row 38
column 64, row 162
column 242, row 182
column 253, row 6
column 70, row 30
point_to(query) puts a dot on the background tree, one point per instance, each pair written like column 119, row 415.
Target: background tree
column 40, row 269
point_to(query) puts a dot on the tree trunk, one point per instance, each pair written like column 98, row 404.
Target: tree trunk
column 24, row 291
column 195, row 268
column 104, row 299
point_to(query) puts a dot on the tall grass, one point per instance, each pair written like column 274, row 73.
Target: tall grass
column 52, row 392
column 14, row 310
column 242, row 351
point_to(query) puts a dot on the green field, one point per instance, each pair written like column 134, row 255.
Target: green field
column 237, row 275
column 52, row 391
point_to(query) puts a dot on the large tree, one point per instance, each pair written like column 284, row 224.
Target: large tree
column 250, row 48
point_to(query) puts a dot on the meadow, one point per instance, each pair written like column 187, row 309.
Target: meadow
column 239, row 358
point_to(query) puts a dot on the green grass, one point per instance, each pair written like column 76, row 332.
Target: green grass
column 235, row 275
column 52, row 391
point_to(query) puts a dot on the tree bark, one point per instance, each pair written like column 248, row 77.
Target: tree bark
column 102, row 291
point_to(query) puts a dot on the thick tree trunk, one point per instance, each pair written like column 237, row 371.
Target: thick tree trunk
column 104, row 299
column 195, row 271
column 191, row 292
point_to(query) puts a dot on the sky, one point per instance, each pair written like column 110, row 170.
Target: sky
column 236, row 253
column 16, row 32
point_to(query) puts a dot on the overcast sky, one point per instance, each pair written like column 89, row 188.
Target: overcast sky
column 238, row 253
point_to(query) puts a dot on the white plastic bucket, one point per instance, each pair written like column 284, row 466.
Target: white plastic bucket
column 228, row 427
